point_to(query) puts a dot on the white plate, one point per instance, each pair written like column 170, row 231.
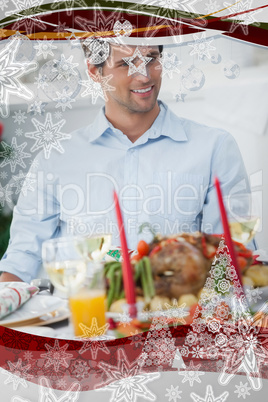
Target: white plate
column 40, row 331
column 35, row 307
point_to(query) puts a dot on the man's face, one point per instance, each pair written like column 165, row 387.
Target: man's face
column 136, row 93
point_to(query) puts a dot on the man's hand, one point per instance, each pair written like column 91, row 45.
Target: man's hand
column 7, row 277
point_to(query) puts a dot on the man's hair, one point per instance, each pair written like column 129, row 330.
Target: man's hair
column 98, row 51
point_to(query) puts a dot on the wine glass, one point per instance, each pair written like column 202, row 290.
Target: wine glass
column 65, row 261
column 97, row 235
column 244, row 213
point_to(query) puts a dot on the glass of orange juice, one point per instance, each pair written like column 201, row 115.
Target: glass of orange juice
column 88, row 303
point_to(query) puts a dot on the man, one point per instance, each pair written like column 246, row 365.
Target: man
column 162, row 167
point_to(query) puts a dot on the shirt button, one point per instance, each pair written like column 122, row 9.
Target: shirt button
column 132, row 151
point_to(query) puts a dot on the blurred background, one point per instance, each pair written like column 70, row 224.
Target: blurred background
column 212, row 79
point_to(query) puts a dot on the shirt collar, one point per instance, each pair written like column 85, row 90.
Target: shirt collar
column 166, row 124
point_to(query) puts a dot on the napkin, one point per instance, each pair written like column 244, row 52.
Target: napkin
column 14, row 295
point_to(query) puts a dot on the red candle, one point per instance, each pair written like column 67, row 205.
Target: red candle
column 1, row 130
column 226, row 230
column 126, row 266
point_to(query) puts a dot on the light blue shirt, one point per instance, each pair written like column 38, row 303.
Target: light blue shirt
column 164, row 178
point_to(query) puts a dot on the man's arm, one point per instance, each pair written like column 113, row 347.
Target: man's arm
column 35, row 219
column 7, row 277
column 227, row 164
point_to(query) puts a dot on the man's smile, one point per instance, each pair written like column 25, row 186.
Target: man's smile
column 143, row 91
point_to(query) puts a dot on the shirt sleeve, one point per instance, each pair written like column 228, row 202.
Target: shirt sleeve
column 226, row 164
column 35, row 219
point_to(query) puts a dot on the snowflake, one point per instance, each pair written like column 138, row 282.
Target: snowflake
column 126, row 381
column 221, row 246
column 64, row 68
column 180, row 96
column 205, row 339
column 224, row 259
column 169, row 64
column 11, row 71
column 231, row 273
column 3, row 175
column 136, row 338
column 173, row 394
column 245, row 353
column 61, row 29
column 79, row 369
column 236, row 341
column 228, row 328
column 41, row 81
column 184, row 351
column 13, row 154
column 223, row 286
column 23, row 183
column 198, row 325
column 245, row 17
column 3, row 4
column 124, row 319
column 214, row 326
column 191, row 339
column 212, row 353
column 253, row 294
column 17, row 374
column 97, row 88
column 209, row 284
column 38, row 107
column 100, row 23
column 191, row 374
column 212, row 6
column 133, row 68
column 46, row 392
column 28, row 355
column 197, row 352
column 242, row 390
column 44, row 47
column 202, row 46
column 19, row 117
column 64, row 100
column 48, row 135
column 16, row 340
column 215, row 298
column 209, row 396
column 56, row 355
column 176, row 312
column 28, row 10
column 69, row 5
column 168, row 6
column 58, row 115
column 222, row 312
column 216, row 272
column 19, row 132
column 94, row 338
column 221, row 340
